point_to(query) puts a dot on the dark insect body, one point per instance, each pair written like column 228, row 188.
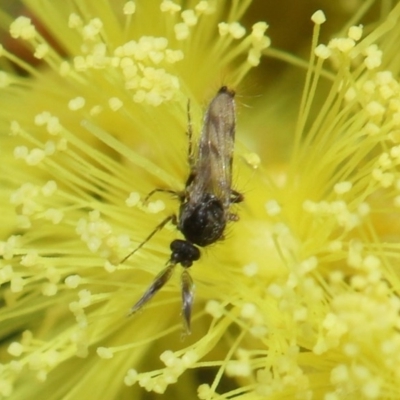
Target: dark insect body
column 205, row 203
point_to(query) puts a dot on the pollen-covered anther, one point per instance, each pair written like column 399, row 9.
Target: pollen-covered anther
column 254, row 57
column 53, row 274
column 272, row 208
column 97, row 234
column 300, row 314
column 350, row 94
column 53, row 126
column 214, row 308
column 160, row 384
column 74, row 21
column 133, row 199
column 322, row 51
column 275, row 290
column 96, row 110
column 351, row 349
column 386, row 78
column 239, row 368
column 357, row 377
column 85, row 298
column 363, row 209
column 258, row 30
column 373, row 57
column 342, row 187
column 155, row 207
column 169, row 6
column 248, row 311
column 115, row 103
column 204, row 392
column 169, row 358
column 131, row 377
column 252, row 159
column 343, row 45
column 5, row 79
column 318, row 17
column 146, row 382
column 355, row 32
column 91, row 31
column 17, row 284
column 8, row 247
column 386, row 179
column 15, row 128
column 73, row 281
column 30, row 259
column 189, row 17
column 250, row 270
column 21, row 152
column 170, row 377
column 37, row 362
column 15, row 349
column 77, row 103
column 41, row 50
column 385, row 161
column 22, row 28
column 129, row 8
column 203, row 7
column 173, row 56
column 181, row 31
column 372, row 129
column 374, row 108
column 308, row 265
column 6, row 273
column 234, row 29
column 332, row 322
column 109, row 267
column 80, row 63
column 190, row 358
column 35, row 156
column 49, row 289
column 105, row 353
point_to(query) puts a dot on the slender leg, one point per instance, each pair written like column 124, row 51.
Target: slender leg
column 190, row 138
column 157, row 228
column 173, row 192
column 236, row 197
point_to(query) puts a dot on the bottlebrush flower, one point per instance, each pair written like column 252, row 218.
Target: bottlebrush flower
column 301, row 297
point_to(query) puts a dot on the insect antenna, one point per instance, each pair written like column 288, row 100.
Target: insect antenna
column 159, row 281
column 187, row 299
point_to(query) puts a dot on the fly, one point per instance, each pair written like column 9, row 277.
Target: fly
column 205, row 202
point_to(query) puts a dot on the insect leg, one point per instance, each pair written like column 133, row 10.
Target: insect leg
column 159, row 281
column 187, row 298
column 191, row 157
column 157, row 228
column 173, row 192
column 236, row 197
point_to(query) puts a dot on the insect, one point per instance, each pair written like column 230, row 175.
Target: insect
column 204, row 203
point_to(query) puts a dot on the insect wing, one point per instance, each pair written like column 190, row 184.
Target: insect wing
column 213, row 168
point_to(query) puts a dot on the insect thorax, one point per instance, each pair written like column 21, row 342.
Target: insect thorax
column 204, row 222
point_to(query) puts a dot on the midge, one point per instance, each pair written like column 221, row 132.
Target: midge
column 205, row 203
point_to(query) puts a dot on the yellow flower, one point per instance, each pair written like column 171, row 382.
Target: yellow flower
column 299, row 299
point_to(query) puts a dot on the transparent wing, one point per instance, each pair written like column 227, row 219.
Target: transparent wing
column 213, row 167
